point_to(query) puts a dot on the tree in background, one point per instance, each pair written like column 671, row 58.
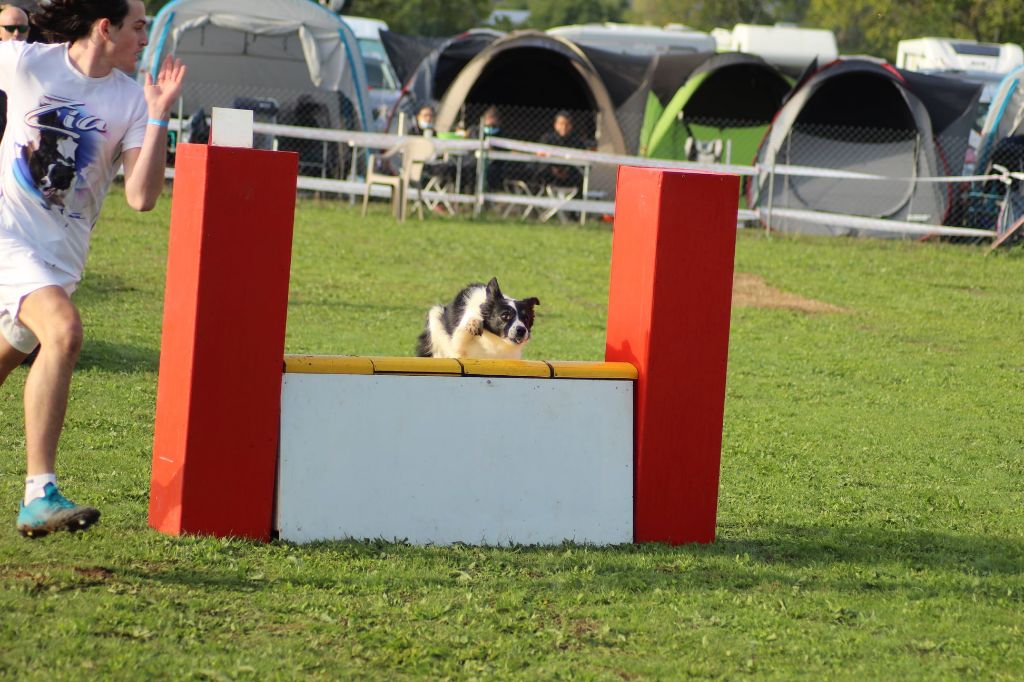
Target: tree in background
column 995, row 21
column 704, row 15
column 861, row 26
column 419, row 17
column 547, row 13
column 505, row 24
column 872, row 27
column 875, row 27
column 424, row 17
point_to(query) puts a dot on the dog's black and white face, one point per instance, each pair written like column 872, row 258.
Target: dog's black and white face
column 480, row 322
column 505, row 317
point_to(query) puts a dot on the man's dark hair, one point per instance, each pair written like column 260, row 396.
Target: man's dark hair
column 69, row 20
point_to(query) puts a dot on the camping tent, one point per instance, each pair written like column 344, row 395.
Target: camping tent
column 271, row 52
column 405, row 52
column 862, row 115
column 426, row 67
column 993, row 203
column 533, row 75
column 1005, row 116
column 626, row 77
column 728, row 96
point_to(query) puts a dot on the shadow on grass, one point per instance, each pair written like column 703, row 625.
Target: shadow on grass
column 101, row 285
column 117, row 357
column 802, row 546
column 847, row 559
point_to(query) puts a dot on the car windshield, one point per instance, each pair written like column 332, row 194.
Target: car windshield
column 379, row 75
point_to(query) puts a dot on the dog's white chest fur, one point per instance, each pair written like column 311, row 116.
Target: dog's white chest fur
column 469, row 339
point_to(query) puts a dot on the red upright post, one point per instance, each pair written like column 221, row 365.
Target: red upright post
column 668, row 313
column 219, row 389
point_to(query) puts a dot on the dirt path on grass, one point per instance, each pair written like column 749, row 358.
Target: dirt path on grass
column 751, row 291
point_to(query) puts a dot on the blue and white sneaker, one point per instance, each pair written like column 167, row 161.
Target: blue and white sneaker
column 53, row 512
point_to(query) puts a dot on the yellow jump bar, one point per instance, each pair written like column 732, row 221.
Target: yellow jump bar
column 352, row 364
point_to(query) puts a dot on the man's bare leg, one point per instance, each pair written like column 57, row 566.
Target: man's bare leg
column 53, row 318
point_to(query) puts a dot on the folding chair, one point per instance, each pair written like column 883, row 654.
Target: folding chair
column 415, row 152
column 442, row 182
column 519, row 188
column 563, row 195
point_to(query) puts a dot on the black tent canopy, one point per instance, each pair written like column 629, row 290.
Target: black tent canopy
column 426, row 67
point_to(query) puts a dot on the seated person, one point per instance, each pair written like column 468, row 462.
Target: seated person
column 560, row 135
column 422, row 125
column 489, row 124
column 423, row 122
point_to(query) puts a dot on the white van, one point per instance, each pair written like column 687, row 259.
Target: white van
column 637, row 39
column 367, row 32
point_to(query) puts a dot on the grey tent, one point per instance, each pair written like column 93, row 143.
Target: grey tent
column 274, row 51
column 863, row 116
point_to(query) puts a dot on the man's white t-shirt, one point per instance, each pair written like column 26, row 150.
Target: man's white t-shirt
column 62, row 148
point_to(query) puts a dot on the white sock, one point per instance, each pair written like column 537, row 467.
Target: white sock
column 34, row 485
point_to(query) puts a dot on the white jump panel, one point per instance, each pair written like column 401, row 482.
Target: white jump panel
column 441, row 459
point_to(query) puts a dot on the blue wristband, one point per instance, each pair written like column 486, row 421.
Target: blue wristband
column 157, row 122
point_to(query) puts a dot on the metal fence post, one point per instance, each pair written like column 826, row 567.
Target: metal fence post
column 586, row 185
column 481, row 169
column 352, row 169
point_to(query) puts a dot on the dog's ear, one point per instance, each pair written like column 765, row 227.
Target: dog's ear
column 526, row 310
column 493, row 291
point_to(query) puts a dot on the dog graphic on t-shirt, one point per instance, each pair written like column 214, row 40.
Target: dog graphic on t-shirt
column 52, row 162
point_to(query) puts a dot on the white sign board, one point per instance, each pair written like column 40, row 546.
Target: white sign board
column 442, row 459
column 231, row 127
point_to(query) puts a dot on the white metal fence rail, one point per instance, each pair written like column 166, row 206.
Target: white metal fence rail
column 487, row 150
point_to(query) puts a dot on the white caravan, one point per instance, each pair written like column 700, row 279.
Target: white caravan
column 635, row 39
column 787, row 47
column 951, row 54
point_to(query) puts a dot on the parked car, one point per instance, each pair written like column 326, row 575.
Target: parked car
column 384, row 90
column 383, row 85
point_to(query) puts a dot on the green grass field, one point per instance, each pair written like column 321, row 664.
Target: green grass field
column 871, row 516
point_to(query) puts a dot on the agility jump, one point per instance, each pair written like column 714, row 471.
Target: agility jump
column 253, row 444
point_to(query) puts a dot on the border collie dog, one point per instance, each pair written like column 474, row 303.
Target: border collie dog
column 480, row 322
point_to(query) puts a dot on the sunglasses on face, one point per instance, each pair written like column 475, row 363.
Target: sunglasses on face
column 15, row 28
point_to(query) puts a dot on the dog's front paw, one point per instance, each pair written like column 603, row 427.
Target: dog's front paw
column 474, row 326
